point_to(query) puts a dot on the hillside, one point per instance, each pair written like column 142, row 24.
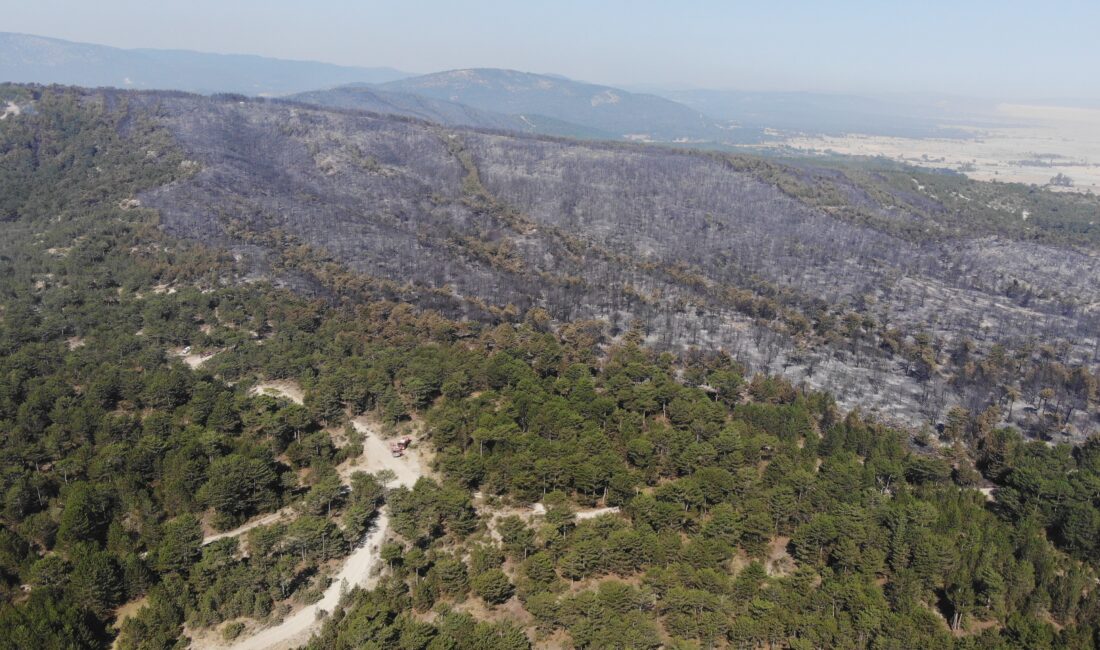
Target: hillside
column 37, row 59
column 886, row 285
column 440, row 111
column 602, row 108
column 193, row 456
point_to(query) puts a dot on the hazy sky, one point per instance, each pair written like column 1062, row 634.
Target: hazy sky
column 1012, row 49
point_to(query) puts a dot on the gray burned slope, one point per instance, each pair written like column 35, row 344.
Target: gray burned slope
column 699, row 249
column 442, row 111
column 730, row 227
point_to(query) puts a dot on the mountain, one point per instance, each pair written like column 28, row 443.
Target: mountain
column 603, row 108
column 36, row 59
column 366, row 98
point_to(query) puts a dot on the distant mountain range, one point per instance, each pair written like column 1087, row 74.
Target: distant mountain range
column 481, row 98
column 36, row 59
column 534, row 96
column 533, row 103
column 485, row 98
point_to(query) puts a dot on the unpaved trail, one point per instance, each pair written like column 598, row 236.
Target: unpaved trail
column 11, row 109
column 280, row 388
column 357, row 570
column 986, row 491
column 193, row 360
column 295, row 629
column 376, row 456
column 536, row 510
column 125, row 611
column 581, row 515
column 265, row 520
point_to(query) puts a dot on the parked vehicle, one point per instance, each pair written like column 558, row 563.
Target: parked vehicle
column 398, row 447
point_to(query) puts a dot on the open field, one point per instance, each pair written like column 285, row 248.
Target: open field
column 1033, row 144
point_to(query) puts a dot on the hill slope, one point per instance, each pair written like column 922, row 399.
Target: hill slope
column 441, row 111
column 889, row 285
column 603, row 108
column 574, row 490
column 36, row 59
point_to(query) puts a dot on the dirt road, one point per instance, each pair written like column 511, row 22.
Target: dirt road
column 265, row 520
column 295, row 629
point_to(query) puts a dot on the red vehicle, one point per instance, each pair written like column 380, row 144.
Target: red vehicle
column 398, row 447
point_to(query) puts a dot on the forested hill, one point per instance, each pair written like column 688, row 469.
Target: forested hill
column 683, row 501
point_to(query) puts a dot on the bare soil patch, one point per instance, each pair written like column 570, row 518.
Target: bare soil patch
column 284, row 388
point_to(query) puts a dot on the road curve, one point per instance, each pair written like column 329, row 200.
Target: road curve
column 296, row 628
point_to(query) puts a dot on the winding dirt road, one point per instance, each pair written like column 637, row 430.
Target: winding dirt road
column 358, row 567
column 295, row 629
column 265, row 520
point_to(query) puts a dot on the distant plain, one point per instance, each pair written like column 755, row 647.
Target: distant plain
column 1025, row 144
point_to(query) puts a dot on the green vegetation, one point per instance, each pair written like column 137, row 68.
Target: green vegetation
column 759, row 522
column 112, row 449
column 751, row 513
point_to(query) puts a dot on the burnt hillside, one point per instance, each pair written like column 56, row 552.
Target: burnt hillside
column 886, row 286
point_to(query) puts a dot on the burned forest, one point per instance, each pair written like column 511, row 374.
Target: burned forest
column 907, row 292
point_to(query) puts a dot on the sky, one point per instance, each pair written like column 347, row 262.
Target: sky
column 1005, row 49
